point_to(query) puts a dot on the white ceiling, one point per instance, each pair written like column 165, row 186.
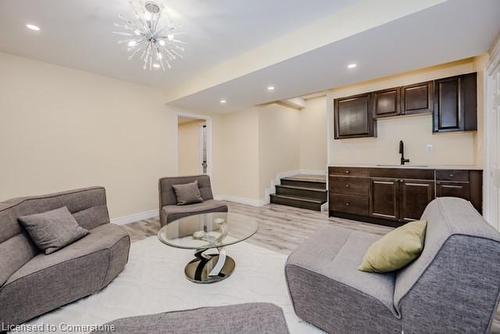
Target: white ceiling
column 398, row 36
column 78, row 33
column 447, row 32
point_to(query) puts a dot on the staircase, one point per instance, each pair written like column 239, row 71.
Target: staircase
column 301, row 191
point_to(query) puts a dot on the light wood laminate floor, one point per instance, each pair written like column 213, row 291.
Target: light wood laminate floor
column 281, row 229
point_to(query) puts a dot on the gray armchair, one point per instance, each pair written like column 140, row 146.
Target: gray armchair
column 32, row 283
column 170, row 211
column 453, row 287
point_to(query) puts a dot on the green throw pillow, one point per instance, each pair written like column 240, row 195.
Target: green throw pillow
column 396, row 249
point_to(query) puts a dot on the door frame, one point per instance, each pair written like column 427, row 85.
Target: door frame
column 491, row 175
column 209, row 123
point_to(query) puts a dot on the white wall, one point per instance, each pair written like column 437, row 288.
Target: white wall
column 457, row 148
column 62, row 129
column 190, row 147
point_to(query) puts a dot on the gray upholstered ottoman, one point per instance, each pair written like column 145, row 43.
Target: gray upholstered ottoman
column 252, row 318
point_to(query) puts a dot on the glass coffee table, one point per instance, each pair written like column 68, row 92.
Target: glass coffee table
column 205, row 232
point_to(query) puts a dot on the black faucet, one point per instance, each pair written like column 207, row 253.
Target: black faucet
column 402, row 152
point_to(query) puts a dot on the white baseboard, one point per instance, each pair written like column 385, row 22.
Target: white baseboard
column 135, row 217
column 241, row 200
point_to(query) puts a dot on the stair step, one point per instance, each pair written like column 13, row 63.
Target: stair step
column 302, row 192
column 298, row 202
column 290, row 181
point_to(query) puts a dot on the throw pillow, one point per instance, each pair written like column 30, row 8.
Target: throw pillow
column 396, row 249
column 53, row 230
column 187, row 193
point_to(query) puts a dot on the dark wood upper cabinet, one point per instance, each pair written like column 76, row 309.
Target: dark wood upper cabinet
column 386, row 103
column 452, row 102
column 455, row 104
column 416, row 99
column 353, row 117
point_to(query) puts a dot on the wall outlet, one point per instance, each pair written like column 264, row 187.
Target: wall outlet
column 429, row 148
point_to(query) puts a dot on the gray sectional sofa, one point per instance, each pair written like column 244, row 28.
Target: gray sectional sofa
column 170, row 211
column 32, row 283
column 453, row 287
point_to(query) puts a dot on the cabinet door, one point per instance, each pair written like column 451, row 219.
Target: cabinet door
column 416, row 98
column 455, row 104
column 386, row 103
column 453, row 189
column 353, row 117
column 384, row 198
column 414, row 197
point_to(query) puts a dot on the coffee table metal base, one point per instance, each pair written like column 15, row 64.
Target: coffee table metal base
column 198, row 270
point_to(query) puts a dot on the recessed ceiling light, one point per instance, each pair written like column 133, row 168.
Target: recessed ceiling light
column 353, row 65
column 33, row 27
column 223, row 101
column 270, row 88
column 156, row 65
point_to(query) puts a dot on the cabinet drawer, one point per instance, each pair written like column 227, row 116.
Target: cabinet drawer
column 453, row 189
column 452, row 175
column 357, row 205
column 349, row 185
column 349, row 171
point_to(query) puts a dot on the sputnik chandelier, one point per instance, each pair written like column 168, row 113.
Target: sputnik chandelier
column 150, row 35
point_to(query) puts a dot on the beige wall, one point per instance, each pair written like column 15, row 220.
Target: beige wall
column 313, row 139
column 458, row 148
column 251, row 148
column 189, row 145
column 62, row 128
column 236, row 154
column 279, row 143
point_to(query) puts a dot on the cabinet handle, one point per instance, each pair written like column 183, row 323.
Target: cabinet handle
column 451, row 175
column 348, row 171
column 347, row 203
column 347, row 185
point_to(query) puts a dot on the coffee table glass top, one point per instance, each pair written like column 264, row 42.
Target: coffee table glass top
column 210, row 230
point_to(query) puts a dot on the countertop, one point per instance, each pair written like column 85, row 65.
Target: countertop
column 411, row 166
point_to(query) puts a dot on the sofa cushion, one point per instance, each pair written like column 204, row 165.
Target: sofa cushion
column 396, row 249
column 50, row 281
column 14, row 253
column 329, row 291
column 53, row 230
column 167, row 193
column 174, row 212
column 251, row 318
column 187, row 193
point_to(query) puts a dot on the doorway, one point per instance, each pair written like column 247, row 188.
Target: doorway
column 194, row 144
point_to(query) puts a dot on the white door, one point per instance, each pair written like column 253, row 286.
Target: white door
column 492, row 141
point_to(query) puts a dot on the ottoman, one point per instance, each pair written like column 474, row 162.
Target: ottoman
column 251, row 318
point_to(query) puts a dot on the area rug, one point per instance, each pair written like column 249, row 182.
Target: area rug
column 153, row 281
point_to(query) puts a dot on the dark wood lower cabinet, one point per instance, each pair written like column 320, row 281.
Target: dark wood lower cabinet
column 394, row 196
column 414, row 197
column 384, row 198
